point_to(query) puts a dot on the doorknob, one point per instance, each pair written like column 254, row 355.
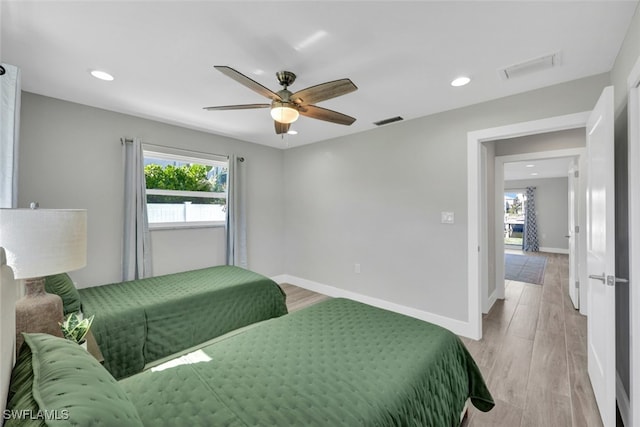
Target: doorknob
column 615, row 280
column 609, row 280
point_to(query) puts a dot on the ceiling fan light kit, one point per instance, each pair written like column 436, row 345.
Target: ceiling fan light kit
column 285, row 106
column 283, row 112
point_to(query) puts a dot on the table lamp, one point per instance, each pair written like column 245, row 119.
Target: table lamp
column 39, row 243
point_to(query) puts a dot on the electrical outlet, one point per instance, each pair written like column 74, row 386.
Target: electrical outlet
column 356, row 268
column 447, row 217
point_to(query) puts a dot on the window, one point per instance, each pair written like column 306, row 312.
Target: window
column 514, row 211
column 185, row 189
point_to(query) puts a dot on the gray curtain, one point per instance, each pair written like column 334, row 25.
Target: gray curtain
column 136, row 253
column 9, row 135
column 530, row 238
column 236, row 215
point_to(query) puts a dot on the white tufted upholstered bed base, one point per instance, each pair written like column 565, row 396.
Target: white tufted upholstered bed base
column 8, row 298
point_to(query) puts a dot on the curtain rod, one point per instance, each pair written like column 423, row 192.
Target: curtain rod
column 130, row 140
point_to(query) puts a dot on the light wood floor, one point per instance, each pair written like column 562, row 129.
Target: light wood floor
column 298, row 298
column 533, row 354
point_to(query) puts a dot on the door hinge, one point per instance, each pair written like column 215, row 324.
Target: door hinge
column 577, row 228
column 577, row 284
column 576, row 174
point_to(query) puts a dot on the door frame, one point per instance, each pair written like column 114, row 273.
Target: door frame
column 476, row 192
column 576, row 201
column 579, row 154
column 633, row 90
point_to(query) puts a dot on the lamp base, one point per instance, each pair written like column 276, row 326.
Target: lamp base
column 38, row 311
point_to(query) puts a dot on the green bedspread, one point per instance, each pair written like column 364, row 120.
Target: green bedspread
column 337, row 363
column 144, row 320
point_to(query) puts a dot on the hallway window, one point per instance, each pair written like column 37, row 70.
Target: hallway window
column 514, row 206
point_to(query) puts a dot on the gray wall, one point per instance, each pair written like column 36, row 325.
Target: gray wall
column 375, row 199
column 71, row 157
column 552, row 209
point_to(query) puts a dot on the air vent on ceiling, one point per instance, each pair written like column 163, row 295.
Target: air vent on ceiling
column 531, row 66
column 387, row 121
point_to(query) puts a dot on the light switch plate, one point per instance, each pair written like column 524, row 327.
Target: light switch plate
column 447, row 217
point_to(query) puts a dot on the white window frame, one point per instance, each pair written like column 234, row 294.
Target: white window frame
column 175, row 154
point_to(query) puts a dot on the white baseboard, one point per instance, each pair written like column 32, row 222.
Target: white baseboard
column 624, row 404
column 281, row 278
column 554, row 250
column 490, row 301
column 456, row 326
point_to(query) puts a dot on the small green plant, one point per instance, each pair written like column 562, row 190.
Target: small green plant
column 74, row 328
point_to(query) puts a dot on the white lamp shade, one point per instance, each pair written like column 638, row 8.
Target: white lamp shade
column 41, row 242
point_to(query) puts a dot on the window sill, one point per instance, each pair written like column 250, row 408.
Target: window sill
column 187, row 225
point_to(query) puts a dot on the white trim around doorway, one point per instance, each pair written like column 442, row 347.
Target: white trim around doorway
column 476, row 192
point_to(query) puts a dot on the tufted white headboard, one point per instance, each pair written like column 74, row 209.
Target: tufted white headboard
column 8, row 297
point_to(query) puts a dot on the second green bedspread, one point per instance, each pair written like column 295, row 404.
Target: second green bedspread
column 337, row 363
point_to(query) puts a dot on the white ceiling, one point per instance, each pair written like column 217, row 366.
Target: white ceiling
column 401, row 55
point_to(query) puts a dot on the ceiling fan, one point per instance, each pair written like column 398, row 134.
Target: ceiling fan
column 287, row 106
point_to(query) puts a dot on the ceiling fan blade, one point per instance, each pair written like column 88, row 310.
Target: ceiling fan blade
column 238, row 107
column 246, row 81
column 281, row 127
column 324, row 91
column 320, row 113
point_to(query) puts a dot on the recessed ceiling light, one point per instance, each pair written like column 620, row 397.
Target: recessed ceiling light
column 292, row 132
column 530, row 166
column 534, row 173
column 460, row 81
column 102, row 75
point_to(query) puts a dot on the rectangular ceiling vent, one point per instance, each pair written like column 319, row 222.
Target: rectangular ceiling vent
column 531, row 66
column 387, row 121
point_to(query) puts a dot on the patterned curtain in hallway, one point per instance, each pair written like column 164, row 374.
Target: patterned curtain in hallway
column 530, row 238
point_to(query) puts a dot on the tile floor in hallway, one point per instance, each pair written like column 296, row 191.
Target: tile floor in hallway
column 533, row 355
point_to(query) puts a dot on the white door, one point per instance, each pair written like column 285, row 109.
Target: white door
column 572, row 235
column 601, row 335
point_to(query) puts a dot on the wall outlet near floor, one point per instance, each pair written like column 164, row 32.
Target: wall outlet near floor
column 447, row 217
column 356, row 268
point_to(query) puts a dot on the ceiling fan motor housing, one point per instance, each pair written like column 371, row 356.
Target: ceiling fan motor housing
column 286, row 78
